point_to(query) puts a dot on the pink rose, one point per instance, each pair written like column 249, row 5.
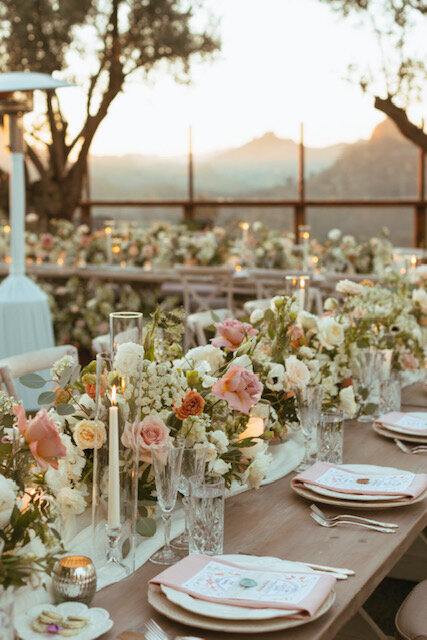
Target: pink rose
column 42, row 437
column 47, row 241
column 152, row 430
column 232, row 333
column 239, row 387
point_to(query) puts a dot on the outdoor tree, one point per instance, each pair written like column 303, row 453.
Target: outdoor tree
column 110, row 40
column 397, row 77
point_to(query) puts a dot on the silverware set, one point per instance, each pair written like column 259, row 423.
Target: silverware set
column 155, row 632
column 419, row 448
column 366, row 523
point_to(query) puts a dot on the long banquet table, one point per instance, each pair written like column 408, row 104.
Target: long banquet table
column 274, row 521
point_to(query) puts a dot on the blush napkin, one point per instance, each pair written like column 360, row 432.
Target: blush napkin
column 205, row 578
column 405, row 484
column 412, row 424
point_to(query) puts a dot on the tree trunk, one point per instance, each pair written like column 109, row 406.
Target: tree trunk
column 401, row 120
column 50, row 198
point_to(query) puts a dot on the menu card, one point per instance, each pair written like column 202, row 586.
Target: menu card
column 217, row 580
column 401, row 484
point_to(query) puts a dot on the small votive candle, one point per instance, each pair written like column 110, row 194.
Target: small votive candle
column 74, row 579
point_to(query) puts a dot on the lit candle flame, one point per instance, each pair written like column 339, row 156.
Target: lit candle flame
column 315, row 259
column 6, row 228
column 245, row 226
column 414, row 261
column 302, row 283
column 38, row 260
column 113, row 394
column 305, row 235
column 108, row 231
column 60, row 261
column 123, row 384
column 8, row 260
column 115, row 249
column 238, row 267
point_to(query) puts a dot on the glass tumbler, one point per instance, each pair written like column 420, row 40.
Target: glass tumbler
column 330, row 437
column 308, row 407
column 206, row 515
column 368, row 372
column 391, row 395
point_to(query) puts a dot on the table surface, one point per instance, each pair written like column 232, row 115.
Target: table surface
column 274, row 521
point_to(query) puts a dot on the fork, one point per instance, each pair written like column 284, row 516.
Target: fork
column 338, row 518
column 417, row 449
column 325, row 523
column 155, row 632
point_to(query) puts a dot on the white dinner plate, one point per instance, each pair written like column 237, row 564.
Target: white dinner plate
column 422, row 415
column 229, row 612
column 359, row 468
column 392, row 435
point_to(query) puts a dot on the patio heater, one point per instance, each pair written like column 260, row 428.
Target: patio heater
column 25, row 321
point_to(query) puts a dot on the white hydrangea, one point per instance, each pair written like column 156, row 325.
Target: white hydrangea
column 334, row 235
column 194, row 428
column 161, row 386
column 71, row 501
column 60, row 365
column 220, row 440
column 349, row 288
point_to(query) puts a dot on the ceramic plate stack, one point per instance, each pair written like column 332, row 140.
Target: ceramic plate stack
column 403, row 433
column 202, row 614
column 354, row 500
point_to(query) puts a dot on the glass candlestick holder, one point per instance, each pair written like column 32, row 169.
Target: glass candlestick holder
column 125, row 326
column 115, row 471
column 297, row 287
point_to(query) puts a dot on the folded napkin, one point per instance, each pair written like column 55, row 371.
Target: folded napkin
column 410, row 423
column 207, row 578
column 402, row 483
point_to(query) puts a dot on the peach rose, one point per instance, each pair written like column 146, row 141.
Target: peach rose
column 141, row 435
column 239, row 387
column 192, row 405
column 232, row 333
column 90, row 434
column 297, row 372
column 42, row 437
column 296, row 336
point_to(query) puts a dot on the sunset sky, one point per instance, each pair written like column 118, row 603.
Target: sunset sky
column 282, row 62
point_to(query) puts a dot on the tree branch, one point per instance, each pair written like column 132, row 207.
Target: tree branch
column 34, row 158
column 401, row 120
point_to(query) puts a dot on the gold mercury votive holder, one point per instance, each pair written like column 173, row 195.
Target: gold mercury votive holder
column 74, row 579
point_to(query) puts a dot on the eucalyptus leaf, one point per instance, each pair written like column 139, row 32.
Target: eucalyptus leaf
column 146, row 527
column 65, row 409
column 370, row 408
column 75, row 374
column 47, row 397
column 32, row 380
column 65, row 377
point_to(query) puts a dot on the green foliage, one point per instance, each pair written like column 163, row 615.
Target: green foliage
column 32, row 380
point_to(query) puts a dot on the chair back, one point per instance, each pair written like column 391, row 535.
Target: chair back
column 197, row 324
column 206, row 288
column 30, row 362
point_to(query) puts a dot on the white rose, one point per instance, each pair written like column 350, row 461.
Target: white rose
column 242, row 361
column 8, row 491
column 331, row 304
column 307, row 320
column 256, row 316
column 306, row 352
column 331, row 333
column 71, row 501
column 297, row 372
column 347, row 401
column 334, row 235
column 127, row 358
column 220, row 467
column 276, row 377
column 257, row 470
column 208, row 353
column 220, row 440
column 419, row 296
column 90, row 434
column 350, row 288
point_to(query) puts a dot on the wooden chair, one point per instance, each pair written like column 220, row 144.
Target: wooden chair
column 197, row 324
column 206, row 288
column 252, row 305
column 30, row 362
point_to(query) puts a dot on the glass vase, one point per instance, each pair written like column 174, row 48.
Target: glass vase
column 125, row 326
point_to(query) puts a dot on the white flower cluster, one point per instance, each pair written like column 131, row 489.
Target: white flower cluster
column 161, row 387
column 65, row 482
column 60, row 365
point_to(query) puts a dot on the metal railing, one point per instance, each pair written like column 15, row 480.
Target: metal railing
column 299, row 207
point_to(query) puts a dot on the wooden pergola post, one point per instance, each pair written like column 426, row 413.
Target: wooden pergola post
column 420, row 217
column 299, row 211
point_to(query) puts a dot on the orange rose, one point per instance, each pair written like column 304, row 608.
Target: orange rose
column 192, row 405
column 90, row 389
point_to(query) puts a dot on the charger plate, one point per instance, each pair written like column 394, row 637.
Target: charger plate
column 336, row 502
column 383, row 431
column 422, row 415
column 359, row 497
column 160, row 603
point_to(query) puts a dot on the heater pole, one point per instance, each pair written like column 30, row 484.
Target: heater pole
column 17, row 195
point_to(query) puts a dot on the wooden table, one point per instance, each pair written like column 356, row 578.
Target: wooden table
column 274, row 521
